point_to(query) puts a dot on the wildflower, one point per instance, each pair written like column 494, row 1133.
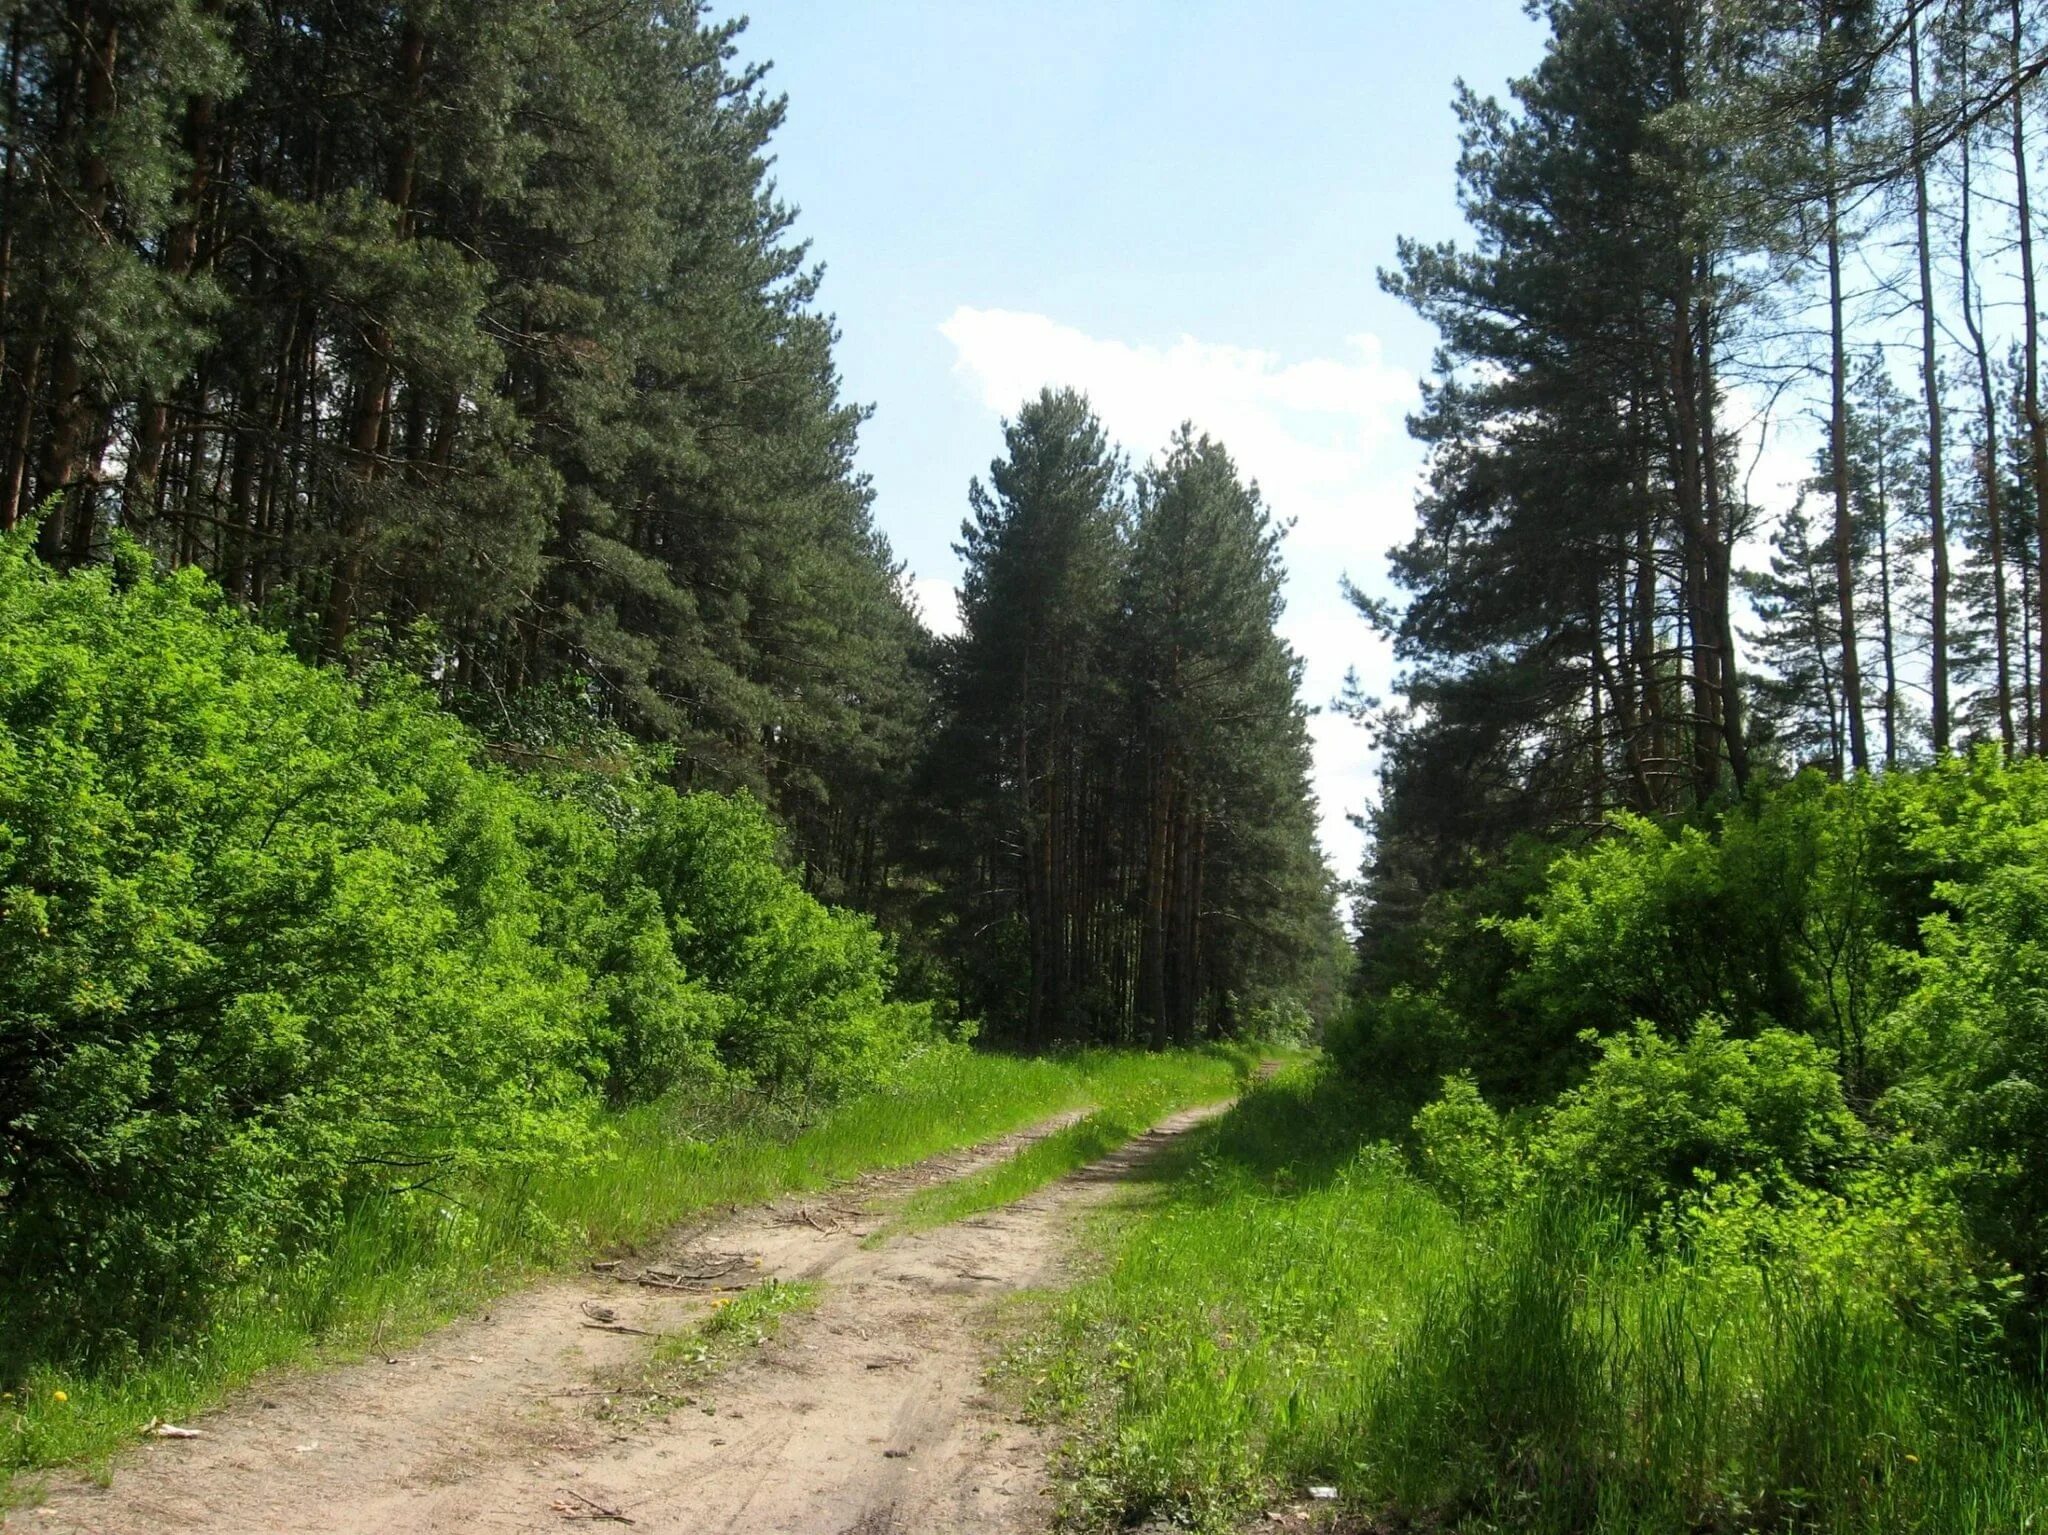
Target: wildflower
column 1912, row 1460
column 60, row 1396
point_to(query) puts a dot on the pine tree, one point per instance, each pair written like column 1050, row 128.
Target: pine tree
column 1568, row 626
column 1233, row 889
column 1027, row 699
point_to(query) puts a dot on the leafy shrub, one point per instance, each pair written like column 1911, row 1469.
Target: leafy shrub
column 806, row 986
column 266, row 945
column 1406, row 1035
column 1464, row 1147
column 655, row 1026
column 1896, row 1238
column 1656, row 1114
column 1967, row 1049
column 1438, row 995
column 274, row 944
column 1780, row 916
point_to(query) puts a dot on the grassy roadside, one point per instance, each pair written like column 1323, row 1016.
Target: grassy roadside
column 1135, row 1092
column 1301, row 1310
column 403, row 1266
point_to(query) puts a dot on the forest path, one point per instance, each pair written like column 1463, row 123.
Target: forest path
column 866, row 1415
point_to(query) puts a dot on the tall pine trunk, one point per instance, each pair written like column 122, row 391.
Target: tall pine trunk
column 181, row 257
column 1720, row 564
column 370, row 415
column 1994, row 514
column 1930, row 382
column 1838, row 452
column 1158, row 872
column 73, row 412
column 1887, row 640
column 2037, row 426
column 10, row 480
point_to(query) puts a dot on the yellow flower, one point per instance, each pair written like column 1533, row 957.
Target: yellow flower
column 60, row 1396
column 1912, row 1460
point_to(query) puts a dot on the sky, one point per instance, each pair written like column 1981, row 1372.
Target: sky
column 1178, row 208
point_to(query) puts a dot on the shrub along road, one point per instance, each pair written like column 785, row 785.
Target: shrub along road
column 858, row 1405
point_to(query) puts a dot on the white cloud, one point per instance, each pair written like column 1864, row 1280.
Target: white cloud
column 1323, row 436
column 937, row 604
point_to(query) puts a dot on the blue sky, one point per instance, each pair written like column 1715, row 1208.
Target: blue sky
column 1177, row 207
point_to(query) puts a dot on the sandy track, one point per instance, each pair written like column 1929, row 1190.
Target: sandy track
column 866, row 1416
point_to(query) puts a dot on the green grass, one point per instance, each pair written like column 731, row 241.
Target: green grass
column 1300, row 1310
column 734, row 1324
column 402, row 1266
column 1136, row 1093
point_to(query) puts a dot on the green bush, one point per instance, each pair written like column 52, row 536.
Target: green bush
column 1782, row 915
column 1895, row 1239
column 1437, row 993
column 274, row 944
column 1967, row 1049
column 1464, row 1148
column 805, row 987
column 266, row 945
column 655, row 1025
column 1405, row 1035
column 1655, row 1116
column 1896, row 920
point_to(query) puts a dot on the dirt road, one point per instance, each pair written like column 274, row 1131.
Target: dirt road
column 866, row 1415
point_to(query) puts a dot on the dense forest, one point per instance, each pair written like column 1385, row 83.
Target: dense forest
column 1700, row 964
column 493, row 356
column 1690, row 224
column 472, row 776
column 455, row 690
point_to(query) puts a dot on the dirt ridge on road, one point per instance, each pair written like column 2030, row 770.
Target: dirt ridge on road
column 865, row 1416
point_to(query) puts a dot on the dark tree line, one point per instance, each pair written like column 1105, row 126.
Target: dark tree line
column 1121, row 763
column 1689, row 221
column 481, row 313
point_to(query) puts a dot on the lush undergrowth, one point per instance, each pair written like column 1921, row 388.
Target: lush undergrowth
column 279, row 947
column 399, row 1265
column 1303, row 1308
column 1134, row 1094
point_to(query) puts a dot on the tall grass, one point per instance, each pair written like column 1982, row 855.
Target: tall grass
column 1294, row 1315
column 402, row 1265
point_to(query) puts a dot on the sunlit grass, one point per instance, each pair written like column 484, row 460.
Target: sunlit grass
column 1135, row 1094
column 1301, row 1312
column 402, row 1266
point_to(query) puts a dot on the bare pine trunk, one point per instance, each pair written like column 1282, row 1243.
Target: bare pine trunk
column 1994, row 513
column 2037, row 426
column 74, row 413
column 373, row 384
column 1838, row 451
column 1930, row 381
